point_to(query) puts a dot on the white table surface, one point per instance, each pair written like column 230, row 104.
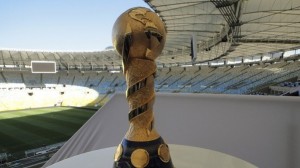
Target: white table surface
column 182, row 157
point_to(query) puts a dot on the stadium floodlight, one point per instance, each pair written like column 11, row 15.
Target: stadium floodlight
column 43, row 67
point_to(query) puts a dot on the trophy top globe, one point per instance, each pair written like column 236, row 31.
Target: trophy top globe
column 139, row 33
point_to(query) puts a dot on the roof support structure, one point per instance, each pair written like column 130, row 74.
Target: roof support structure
column 230, row 9
column 283, row 41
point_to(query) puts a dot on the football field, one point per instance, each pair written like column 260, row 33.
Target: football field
column 33, row 128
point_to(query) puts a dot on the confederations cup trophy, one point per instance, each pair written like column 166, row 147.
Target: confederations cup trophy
column 139, row 36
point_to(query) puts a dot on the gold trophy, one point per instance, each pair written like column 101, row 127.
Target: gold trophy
column 139, row 36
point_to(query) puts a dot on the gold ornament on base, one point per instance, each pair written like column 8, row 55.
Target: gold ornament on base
column 139, row 36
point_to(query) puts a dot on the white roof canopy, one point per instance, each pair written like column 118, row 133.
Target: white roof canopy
column 228, row 28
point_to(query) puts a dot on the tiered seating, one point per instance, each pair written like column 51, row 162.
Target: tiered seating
column 220, row 74
column 14, row 79
column 32, row 80
column 234, row 75
column 50, row 80
column 251, row 75
column 95, row 87
column 289, row 84
column 66, row 78
column 119, row 81
column 277, row 75
column 172, row 76
column 93, row 80
column 192, row 77
column 2, row 81
column 161, row 75
column 80, row 79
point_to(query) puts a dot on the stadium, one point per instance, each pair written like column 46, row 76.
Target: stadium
column 231, row 49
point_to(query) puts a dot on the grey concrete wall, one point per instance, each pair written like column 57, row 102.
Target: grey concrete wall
column 262, row 130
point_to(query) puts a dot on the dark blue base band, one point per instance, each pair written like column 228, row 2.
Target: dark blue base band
column 150, row 146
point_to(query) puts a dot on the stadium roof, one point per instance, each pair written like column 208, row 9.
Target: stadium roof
column 97, row 59
column 229, row 28
column 223, row 29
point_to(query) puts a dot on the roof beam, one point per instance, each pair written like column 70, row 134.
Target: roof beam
column 193, row 24
column 286, row 24
column 173, row 4
column 201, row 31
column 267, row 30
column 224, row 3
column 191, row 15
column 279, row 12
column 179, row 7
column 284, row 41
column 270, row 11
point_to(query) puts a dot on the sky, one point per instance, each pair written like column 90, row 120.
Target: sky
column 60, row 25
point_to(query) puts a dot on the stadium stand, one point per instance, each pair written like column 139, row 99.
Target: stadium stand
column 94, row 85
column 243, row 76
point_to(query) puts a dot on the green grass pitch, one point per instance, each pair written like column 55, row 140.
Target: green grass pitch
column 28, row 129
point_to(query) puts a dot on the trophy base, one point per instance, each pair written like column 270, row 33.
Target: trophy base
column 149, row 154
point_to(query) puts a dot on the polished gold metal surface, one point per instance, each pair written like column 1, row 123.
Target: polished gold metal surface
column 118, row 153
column 163, row 153
column 139, row 36
column 137, row 21
column 140, row 158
